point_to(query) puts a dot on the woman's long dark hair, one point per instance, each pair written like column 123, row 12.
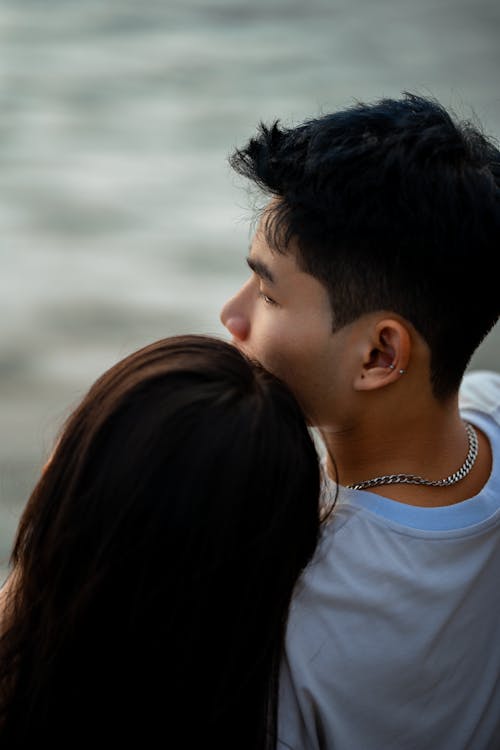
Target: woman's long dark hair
column 155, row 560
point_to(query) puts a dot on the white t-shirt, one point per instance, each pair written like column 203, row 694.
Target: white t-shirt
column 393, row 641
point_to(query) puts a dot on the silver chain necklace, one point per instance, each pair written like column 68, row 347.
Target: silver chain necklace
column 415, row 479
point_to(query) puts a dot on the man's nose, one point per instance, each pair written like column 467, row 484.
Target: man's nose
column 234, row 319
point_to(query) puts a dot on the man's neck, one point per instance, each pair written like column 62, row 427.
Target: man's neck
column 432, row 446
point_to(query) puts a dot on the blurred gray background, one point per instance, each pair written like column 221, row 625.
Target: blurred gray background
column 120, row 220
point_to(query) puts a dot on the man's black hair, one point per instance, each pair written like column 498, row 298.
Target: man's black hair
column 394, row 206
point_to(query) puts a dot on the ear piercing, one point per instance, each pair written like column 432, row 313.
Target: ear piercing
column 401, row 372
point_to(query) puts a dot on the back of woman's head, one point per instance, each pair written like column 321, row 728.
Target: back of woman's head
column 160, row 548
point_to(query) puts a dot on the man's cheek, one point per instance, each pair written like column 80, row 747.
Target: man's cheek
column 285, row 367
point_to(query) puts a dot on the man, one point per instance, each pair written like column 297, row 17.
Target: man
column 372, row 284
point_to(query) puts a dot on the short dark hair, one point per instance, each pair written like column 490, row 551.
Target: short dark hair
column 157, row 557
column 394, row 205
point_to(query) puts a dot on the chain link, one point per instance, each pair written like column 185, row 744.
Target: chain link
column 415, row 479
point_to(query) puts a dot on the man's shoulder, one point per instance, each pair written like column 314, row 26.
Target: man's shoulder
column 480, row 391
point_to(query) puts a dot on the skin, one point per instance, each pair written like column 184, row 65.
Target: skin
column 374, row 420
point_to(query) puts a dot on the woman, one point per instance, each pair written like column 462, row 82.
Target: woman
column 154, row 563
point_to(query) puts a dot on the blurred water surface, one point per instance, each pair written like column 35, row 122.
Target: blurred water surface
column 120, row 221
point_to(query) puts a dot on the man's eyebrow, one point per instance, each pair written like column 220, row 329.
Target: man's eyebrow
column 261, row 270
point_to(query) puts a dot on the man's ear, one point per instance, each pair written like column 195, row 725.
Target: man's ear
column 385, row 354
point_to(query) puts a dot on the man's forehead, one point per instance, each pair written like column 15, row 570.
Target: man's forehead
column 269, row 263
